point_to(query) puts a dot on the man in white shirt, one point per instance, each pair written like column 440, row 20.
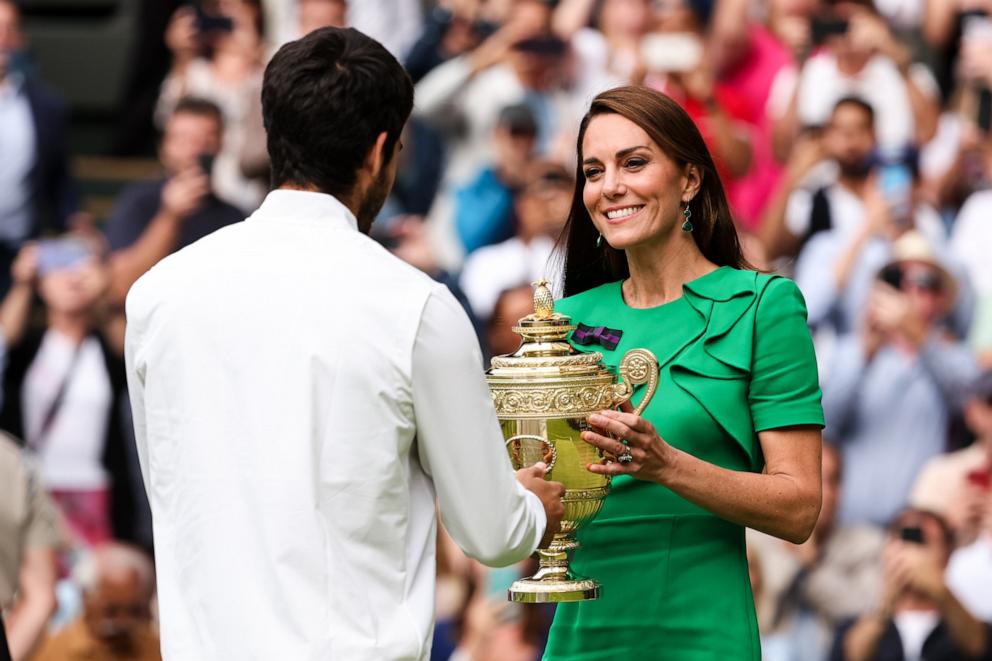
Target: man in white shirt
column 302, row 399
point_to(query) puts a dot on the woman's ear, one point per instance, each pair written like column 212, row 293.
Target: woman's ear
column 693, row 179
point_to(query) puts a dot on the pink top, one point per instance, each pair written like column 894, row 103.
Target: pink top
column 752, row 80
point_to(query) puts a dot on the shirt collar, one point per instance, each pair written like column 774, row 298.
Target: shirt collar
column 296, row 206
column 11, row 85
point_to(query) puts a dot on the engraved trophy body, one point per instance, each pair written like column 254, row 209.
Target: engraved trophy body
column 543, row 394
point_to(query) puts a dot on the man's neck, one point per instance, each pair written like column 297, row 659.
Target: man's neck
column 855, row 185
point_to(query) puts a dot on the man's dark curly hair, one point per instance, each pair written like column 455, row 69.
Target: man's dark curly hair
column 325, row 100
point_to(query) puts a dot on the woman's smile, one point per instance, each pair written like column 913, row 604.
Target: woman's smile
column 617, row 215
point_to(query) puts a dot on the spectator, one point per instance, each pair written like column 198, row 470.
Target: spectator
column 118, row 583
column 970, row 238
column 605, row 39
column 520, row 63
column 511, row 306
column 38, row 191
column 836, row 267
column 719, row 112
column 893, row 385
column 217, row 56
column 861, row 57
column 748, row 56
column 29, row 536
column 808, row 589
column 918, row 616
column 484, row 205
column 450, row 29
column 315, row 14
column 157, row 217
column 65, row 395
column 494, row 629
column 541, row 207
column 839, row 194
column 957, row 485
column 969, row 572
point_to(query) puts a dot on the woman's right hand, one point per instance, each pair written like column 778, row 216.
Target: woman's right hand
column 620, row 432
column 181, row 36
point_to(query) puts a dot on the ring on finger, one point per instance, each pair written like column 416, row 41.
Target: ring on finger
column 625, row 457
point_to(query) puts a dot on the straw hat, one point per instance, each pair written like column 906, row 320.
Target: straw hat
column 913, row 247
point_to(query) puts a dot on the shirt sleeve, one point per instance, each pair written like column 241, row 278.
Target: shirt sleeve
column 815, row 278
column 486, row 510
column 135, row 372
column 131, row 215
column 784, row 388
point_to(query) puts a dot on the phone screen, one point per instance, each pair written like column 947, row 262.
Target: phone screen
column 896, row 183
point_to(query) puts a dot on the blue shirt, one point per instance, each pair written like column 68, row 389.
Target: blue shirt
column 18, row 147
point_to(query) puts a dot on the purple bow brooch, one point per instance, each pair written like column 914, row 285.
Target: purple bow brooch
column 608, row 338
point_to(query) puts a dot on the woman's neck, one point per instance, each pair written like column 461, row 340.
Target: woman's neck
column 72, row 326
column 657, row 274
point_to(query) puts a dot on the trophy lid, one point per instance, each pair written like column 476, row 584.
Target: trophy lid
column 544, row 347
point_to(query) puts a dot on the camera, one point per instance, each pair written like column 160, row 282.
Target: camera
column 911, row 534
column 826, row 26
column 675, row 52
column 207, row 22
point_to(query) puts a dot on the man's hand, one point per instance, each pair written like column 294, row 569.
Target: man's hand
column 550, row 494
column 184, row 193
column 181, row 36
column 920, row 569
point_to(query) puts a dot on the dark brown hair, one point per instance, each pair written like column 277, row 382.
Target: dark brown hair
column 668, row 125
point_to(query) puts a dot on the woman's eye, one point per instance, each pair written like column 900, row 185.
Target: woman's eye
column 635, row 163
column 591, row 172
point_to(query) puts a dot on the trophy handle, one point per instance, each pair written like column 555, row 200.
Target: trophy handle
column 550, row 456
column 638, row 367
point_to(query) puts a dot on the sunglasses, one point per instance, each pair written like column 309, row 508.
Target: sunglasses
column 928, row 281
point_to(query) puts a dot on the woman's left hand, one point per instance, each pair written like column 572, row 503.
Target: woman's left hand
column 650, row 454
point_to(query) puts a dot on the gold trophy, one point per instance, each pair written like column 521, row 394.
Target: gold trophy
column 543, row 394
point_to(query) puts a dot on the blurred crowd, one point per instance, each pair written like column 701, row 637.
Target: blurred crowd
column 854, row 141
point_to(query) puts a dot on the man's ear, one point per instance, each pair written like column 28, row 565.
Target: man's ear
column 377, row 157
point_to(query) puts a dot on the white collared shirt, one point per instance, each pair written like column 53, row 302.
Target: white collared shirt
column 301, row 397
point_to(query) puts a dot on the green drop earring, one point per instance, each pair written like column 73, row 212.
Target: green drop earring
column 687, row 212
column 599, row 241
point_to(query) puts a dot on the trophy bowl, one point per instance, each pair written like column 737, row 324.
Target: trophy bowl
column 543, row 394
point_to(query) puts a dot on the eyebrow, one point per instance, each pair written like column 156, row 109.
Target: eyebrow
column 620, row 154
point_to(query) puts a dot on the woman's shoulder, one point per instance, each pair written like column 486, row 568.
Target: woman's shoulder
column 776, row 289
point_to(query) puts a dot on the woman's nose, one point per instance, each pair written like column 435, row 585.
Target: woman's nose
column 613, row 185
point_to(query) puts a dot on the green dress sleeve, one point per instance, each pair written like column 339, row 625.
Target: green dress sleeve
column 784, row 389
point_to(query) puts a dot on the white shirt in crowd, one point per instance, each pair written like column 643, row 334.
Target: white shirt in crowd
column 972, row 237
column 491, row 270
column 914, row 628
column 969, row 576
column 70, row 453
column 301, row 397
column 821, row 85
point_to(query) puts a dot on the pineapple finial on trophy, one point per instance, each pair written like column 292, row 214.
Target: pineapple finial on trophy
column 544, row 302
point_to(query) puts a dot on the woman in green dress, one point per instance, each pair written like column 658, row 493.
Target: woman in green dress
column 730, row 440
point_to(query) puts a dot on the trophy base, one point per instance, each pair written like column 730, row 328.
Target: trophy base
column 533, row 591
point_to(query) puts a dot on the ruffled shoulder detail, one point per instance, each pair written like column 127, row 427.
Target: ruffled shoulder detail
column 715, row 368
